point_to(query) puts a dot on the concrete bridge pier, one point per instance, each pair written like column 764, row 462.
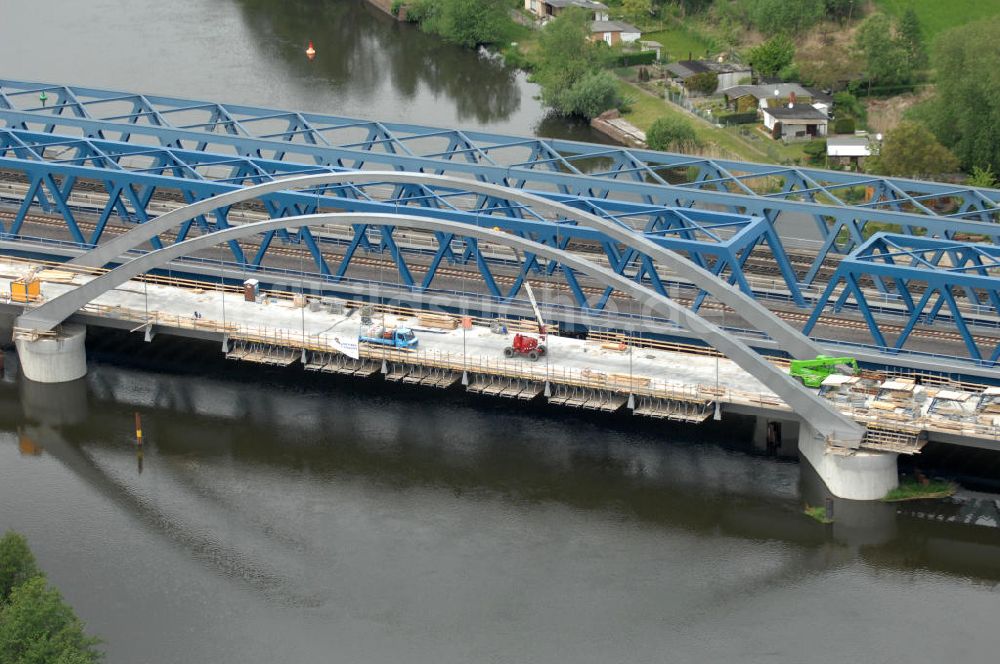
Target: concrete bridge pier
column 57, row 358
column 863, row 475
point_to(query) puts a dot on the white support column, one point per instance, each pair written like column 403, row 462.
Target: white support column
column 54, row 359
column 864, row 475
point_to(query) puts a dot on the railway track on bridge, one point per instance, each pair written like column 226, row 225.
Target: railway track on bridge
column 754, row 265
column 300, row 254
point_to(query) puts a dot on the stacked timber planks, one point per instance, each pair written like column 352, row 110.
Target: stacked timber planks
column 437, row 321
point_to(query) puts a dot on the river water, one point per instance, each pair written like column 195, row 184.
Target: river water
column 279, row 516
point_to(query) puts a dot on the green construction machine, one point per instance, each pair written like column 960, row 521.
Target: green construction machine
column 812, row 373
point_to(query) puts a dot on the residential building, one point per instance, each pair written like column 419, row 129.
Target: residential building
column 545, row 9
column 654, row 46
column 743, row 97
column 730, row 73
column 614, row 32
column 795, row 121
column 848, row 149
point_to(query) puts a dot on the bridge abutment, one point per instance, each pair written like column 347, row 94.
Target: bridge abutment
column 863, row 475
column 59, row 358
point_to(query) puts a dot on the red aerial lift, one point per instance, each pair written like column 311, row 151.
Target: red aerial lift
column 525, row 345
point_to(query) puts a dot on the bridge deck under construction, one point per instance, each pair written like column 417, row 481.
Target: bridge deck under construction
column 600, row 373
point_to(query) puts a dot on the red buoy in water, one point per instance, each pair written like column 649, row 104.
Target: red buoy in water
column 310, row 51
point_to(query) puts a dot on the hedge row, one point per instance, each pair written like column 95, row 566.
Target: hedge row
column 750, row 117
column 640, row 58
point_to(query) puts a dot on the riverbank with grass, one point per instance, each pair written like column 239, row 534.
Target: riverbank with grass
column 817, row 513
column 911, row 489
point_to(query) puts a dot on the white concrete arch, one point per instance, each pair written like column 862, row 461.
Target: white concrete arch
column 820, row 413
column 788, row 338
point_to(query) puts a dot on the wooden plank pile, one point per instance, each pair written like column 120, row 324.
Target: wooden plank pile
column 437, row 321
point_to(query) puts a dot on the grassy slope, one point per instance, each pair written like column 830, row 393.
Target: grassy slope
column 936, row 16
column 646, row 108
column 677, row 43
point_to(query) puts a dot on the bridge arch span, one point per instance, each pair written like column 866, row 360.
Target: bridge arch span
column 787, row 337
column 818, row 412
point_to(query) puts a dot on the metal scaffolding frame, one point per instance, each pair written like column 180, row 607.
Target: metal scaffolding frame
column 921, row 275
column 841, row 204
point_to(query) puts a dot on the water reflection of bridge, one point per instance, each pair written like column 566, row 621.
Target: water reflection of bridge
column 283, row 429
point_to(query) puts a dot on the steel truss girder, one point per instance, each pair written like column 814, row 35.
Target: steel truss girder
column 483, row 148
column 923, row 275
column 792, row 341
column 841, row 226
column 718, row 241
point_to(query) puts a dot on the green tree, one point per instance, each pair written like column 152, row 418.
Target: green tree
column 982, row 177
column 772, row 56
column 965, row 113
column 911, row 38
column 637, row 9
column 911, row 150
column 593, row 94
column 886, row 59
column 567, row 64
column 37, row 627
column 784, row 16
column 706, row 82
column 468, row 23
column 671, row 132
column 843, row 9
column 847, row 105
column 828, row 67
column 687, row 7
column 17, row 564
column 816, row 151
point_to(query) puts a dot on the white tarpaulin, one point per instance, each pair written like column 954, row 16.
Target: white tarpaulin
column 348, row 347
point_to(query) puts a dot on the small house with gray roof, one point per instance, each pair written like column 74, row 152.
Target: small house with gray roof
column 730, row 73
column 745, row 97
column 545, row 9
column 795, row 121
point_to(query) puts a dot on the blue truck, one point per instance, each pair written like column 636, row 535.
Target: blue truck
column 397, row 337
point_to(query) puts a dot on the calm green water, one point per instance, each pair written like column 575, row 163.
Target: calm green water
column 278, row 516
column 252, row 52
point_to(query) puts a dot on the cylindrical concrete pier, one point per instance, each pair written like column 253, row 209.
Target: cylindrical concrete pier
column 54, row 359
column 864, row 475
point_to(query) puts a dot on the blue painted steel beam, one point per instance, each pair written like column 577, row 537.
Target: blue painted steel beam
column 488, row 148
column 924, row 273
column 183, row 177
column 810, row 191
column 833, row 223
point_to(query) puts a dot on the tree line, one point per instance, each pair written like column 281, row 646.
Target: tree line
column 36, row 625
column 886, row 54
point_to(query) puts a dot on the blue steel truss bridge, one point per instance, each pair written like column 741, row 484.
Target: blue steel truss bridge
column 808, row 244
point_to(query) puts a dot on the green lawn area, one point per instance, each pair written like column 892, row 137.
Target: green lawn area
column 646, row 108
column 936, row 16
column 677, row 43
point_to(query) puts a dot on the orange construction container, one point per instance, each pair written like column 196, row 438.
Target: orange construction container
column 25, row 291
column 28, row 447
